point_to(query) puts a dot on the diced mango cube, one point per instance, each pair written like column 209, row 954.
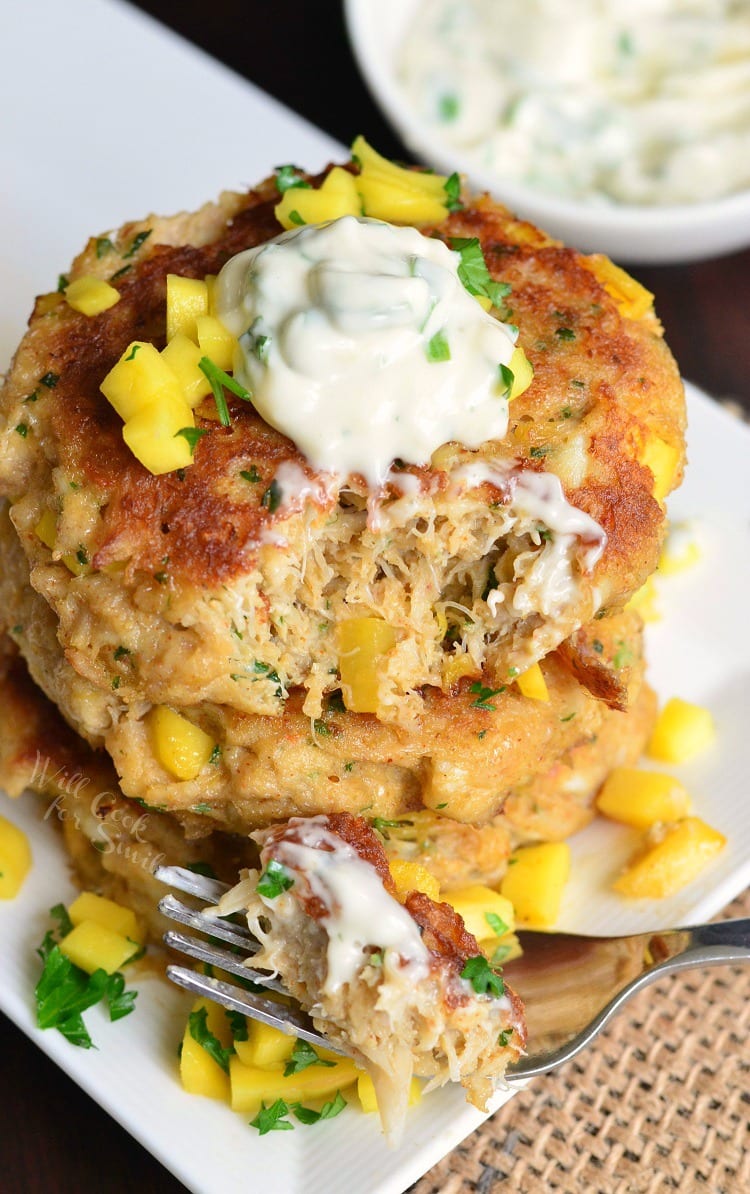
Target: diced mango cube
column 673, row 861
column 681, row 550
column 362, row 643
column 15, row 859
column 182, row 356
column 94, row 947
column 46, row 529
column 88, row 906
column 662, row 459
column 412, row 876
column 265, row 1047
column 455, row 667
column 474, row 904
column 641, row 798
column 210, row 280
column 91, row 295
column 140, row 378
column 187, row 300
column 384, row 198
column 215, row 341
column 532, row 684
column 153, row 435
column 336, row 197
column 251, row 1085
column 523, row 373
column 633, row 300
column 500, row 950
column 181, row 747
column 370, row 161
column 368, row 1099
column 682, row 730
column 199, row 1073
column 535, row 880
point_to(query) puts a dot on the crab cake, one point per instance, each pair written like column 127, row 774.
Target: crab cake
column 218, row 589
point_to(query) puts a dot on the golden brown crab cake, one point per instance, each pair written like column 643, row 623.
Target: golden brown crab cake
column 217, row 595
column 401, row 985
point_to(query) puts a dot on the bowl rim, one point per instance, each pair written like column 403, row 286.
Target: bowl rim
column 612, row 217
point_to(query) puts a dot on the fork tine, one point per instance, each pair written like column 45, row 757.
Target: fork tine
column 293, row 1021
column 181, row 879
column 233, row 934
column 204, row 952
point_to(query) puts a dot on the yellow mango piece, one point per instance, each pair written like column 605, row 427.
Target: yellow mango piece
column 76, row 565
column 210, row 280
column 661, row 458
column 681, row 550
column 532, row 684
column 152, row 434
column 641, row 798
column 368, row 1099
column 94, row 947
column 412, row 876
column 523, row 373
column 646, row 602
column 182, row 355
column 187, row 300
column 215, row 341
column 251, row 1085
column 15, row 859
column 46, row 529
column 674, row 861
column 633, row 300
column 508, row 947
column 362, row 643
column 384, row 199
column 336, row 197
column 455, row 667
column 140, row 378
column 474, row 903
column 265, row 1047
column 682, row 731
column 88, row 906
column 535, row 880
column 181, row 747
column 91, row 295
column 370, row 161
column 199, row 1073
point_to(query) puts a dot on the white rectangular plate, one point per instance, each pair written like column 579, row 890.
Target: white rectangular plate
column 188, row 129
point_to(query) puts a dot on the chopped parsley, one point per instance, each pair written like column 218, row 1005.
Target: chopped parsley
column 348, row 766
column 202, row 808
column 303, row 1056
column 565, row 334
column 321, row 728
column 22, row 430
column 82, row 556
column 505, row 1038
column 116, row 681
column 135, row 349
column 484, row 695
column 295, row 217
column 50, row 380
column 103, row 246
column 568, row 717
column 237, row 1025
column 32, row 397
column 507, row 378
column 260, row 348
column 497, row 924
column 473, row 270
column 120, row 1002
column 482, row 977
column 580, row 385
column 500, row 954
column 201, row 868
column 448, row 107
column 121, row 652
column 202, row 1035
column 289, row 178
column 537, row 453
column 120, row 273
column 218, row 379
column 452, row 190
column 438, row 349
column 598, row 646
column 265, row 669
column 250, row 474
column 329, row 1110
column 622, row 657
column 382, row 826
column 215, row 755
column 192, row 435
column 272, row 497
column 62, row 283
column 272, row 1119
column 274, row 880
column 136, row 243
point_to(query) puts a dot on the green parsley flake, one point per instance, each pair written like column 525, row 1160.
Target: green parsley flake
column 274, row 880
column 272, row 1119
column 288, row 179
column 303, row 1056
column 438, row 349
column 482, row 977
column 192, row 435
column 251, row 474
column 103, row 246
column 329, row 1110
column 135, row 349
column 136, row 243
column 452, row 190
column 497, row 924
column 448, row 107
column 295, row 217
column 219, row 380
column 237, row 1025
column 202, row 1035
column 507, row 378
column 473, row 270
column 272, row 497
column 22, row 430
column 565, row 334
column 62, row 283
column 120, row 273
column 50, row 380
column 483, row 695
column 505, row 1038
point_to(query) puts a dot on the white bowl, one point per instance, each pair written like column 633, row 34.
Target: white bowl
column 649, row 235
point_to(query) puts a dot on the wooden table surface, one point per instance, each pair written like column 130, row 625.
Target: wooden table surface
column 54, row 1137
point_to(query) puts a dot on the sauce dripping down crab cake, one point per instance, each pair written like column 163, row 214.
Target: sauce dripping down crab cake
column 251, row 572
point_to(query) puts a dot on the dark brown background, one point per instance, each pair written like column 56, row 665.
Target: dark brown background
column 53, row 1137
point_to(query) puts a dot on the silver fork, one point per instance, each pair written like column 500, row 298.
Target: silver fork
column 571, row 985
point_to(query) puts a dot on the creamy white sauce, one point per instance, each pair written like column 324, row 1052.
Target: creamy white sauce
column 339, row 326
column 359, row 911
column 637, row 101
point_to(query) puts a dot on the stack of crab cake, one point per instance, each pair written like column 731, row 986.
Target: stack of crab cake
column 250, row 638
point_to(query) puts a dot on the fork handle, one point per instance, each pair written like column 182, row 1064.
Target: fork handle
column 725, row 941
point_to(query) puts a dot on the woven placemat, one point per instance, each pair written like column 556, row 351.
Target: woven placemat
column 660, row 1101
